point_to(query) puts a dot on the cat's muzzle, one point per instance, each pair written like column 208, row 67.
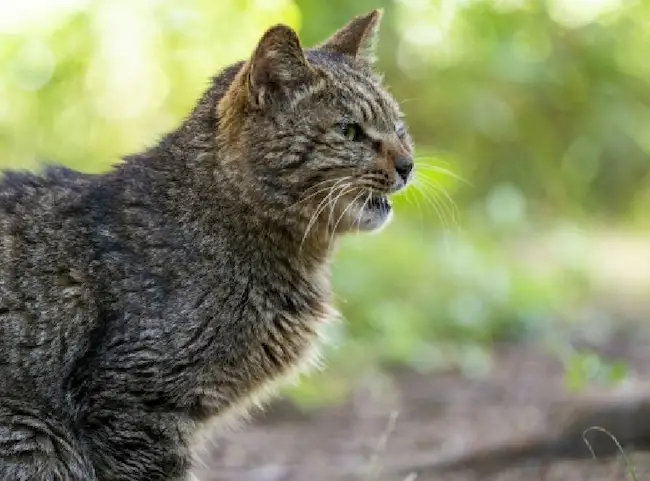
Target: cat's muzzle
column 375, row 213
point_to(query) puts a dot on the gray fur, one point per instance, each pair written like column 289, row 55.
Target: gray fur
column 138, row 306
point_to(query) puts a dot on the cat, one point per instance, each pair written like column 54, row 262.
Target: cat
column 139, row 305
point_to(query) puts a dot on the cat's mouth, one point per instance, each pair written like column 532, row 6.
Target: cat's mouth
column 379, row 203
column 374, row 213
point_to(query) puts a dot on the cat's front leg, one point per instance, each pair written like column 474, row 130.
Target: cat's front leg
column 36, row 446
column 136, row 445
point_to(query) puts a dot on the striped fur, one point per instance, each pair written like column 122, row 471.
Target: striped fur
column 141, row 306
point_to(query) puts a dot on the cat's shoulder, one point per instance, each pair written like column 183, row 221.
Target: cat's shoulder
column 16, row 184
column 44, row 198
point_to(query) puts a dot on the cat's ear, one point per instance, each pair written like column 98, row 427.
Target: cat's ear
column 358, row 38
column 277, row 65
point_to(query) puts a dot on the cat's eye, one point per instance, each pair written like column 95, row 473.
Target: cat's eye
column 351, row 131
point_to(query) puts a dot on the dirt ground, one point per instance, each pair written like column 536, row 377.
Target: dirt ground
column 395, row 426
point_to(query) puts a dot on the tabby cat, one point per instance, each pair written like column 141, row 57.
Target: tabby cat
column 140, row 305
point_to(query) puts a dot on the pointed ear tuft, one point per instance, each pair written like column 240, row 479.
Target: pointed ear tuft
column 278, row 64
column 357, row 38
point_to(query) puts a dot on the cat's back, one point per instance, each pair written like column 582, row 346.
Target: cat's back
column 43, row 220
column 30, row 201
column 45, row 303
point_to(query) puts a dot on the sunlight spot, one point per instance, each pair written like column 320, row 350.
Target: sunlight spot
column 510, row 5
column 125, row 79
column 506, row 205
column 578, row 13
column 34, row 65
column 19, row 16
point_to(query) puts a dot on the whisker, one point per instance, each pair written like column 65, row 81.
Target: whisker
column 414, row 202
column 319, row 208
column 333, row 205
column 325, row 181
column 371, row 175
column 313, row 194
column 343, row 215
column 443, row 191
column 442, row 170
column 431, row 158
column 452, row 209
column 362, row 210
column 433, row 202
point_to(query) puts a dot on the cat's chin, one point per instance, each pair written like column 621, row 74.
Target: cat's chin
column 374, row 215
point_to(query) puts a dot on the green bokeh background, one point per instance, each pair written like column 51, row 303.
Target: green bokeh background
column 532, row 125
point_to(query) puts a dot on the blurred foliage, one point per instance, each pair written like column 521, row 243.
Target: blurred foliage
column 532, row 115
column 552, row 97
column 586, row 367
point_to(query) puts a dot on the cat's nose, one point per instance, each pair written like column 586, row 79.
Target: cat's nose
column 404, row 166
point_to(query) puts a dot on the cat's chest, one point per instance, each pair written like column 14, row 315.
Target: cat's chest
column 290, row 347
column 271, row 334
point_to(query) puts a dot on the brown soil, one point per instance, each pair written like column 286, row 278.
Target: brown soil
column 405, row 422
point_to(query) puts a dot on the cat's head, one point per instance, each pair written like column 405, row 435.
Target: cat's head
column 320, row 140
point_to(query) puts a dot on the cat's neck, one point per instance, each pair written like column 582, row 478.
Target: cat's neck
column 186, row 180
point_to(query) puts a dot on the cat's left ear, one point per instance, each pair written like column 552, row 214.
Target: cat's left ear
column 278, row 65
column 358, row 38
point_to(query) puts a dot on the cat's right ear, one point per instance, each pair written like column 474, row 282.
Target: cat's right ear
column 277, row 66
column 358, row 38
